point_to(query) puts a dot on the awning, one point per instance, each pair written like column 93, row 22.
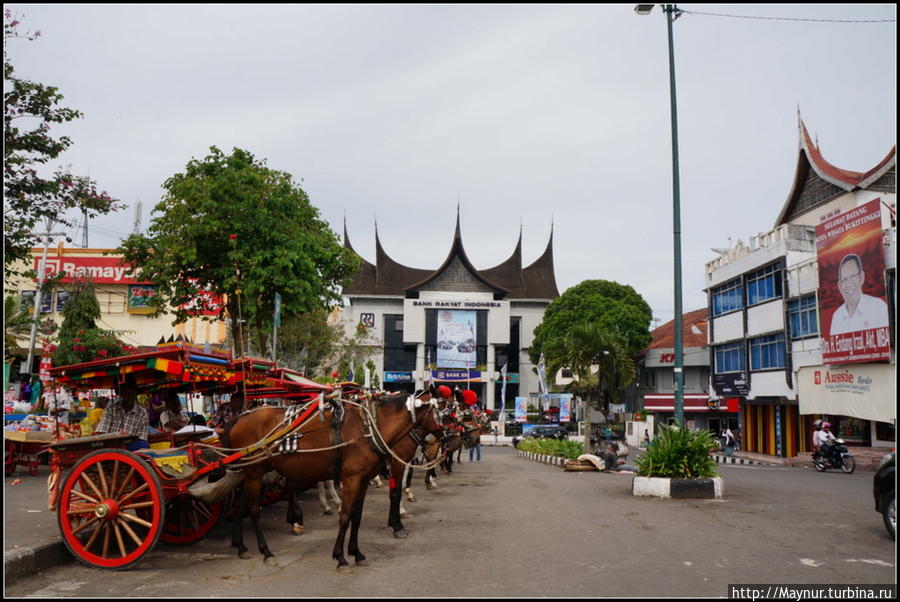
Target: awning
column 692, row 403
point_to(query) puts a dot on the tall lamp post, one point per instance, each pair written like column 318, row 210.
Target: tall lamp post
column 672, row 12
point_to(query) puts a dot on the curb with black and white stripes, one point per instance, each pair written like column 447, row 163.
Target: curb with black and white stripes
column 735, row 460
column 552, row 460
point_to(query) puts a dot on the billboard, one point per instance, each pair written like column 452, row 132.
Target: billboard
column 854, row 314
column 456, row 338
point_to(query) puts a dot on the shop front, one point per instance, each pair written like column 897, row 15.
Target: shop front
column 858, row 399
column 701, row 412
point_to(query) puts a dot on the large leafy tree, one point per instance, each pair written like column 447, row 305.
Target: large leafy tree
column 229, row 225
column 30, row 196
column 615, row 308
column 599, row 360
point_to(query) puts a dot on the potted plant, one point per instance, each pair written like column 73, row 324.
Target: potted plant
column 678, row 465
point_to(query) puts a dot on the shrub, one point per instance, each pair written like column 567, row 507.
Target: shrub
column 553, row 447
column 679, row 454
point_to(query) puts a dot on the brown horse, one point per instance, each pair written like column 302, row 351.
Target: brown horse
column 401, row 470
column 351, row 446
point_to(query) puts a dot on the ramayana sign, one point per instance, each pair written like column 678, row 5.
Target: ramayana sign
column 100, row 270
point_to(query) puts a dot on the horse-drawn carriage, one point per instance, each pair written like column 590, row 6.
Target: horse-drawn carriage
column 114, row 505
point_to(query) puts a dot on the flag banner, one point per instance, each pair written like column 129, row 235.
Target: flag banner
column 542, row 376
column 503, row 390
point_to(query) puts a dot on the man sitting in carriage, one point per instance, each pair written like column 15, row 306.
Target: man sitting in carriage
column 126, row 415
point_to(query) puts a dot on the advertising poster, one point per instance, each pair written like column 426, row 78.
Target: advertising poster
column 456, row 338
column 139, row 296
column 521, row 409
column 854, row 314
column 565, row 407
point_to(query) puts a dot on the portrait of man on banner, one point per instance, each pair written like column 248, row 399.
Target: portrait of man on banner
column 854, row 314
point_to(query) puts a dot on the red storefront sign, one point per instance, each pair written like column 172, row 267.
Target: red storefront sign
column 100, row 270
column 692, row 403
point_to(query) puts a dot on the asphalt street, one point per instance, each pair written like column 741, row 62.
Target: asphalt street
column 512, row 527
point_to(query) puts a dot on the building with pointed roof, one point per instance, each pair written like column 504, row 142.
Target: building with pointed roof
column 772, row 302
column 456, row 324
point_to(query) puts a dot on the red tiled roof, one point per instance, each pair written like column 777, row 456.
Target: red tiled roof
column 664, row 336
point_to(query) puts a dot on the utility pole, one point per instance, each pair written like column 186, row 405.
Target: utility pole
column 41, row 275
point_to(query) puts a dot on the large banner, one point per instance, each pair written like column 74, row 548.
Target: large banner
column 456, row 338
column 521, row 409
column 854, row 315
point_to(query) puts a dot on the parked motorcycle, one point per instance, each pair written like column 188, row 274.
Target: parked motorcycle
column 838, row 457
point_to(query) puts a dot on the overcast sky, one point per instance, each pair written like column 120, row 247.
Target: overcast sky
column 523, row 115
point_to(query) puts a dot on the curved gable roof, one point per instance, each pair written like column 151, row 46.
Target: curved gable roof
column 810, row 158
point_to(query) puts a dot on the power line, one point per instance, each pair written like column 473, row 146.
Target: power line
column 691, row 12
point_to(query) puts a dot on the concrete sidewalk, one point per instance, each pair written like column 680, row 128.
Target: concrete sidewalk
column 31, row 537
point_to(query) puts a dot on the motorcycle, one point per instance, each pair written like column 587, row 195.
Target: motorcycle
column 838, row 457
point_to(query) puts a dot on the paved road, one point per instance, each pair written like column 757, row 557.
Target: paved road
column 513, row 527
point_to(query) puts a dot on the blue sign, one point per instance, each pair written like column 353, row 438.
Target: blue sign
column 398, row 377
column 456, row 375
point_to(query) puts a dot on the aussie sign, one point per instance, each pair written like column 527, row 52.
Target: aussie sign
column 854, row 314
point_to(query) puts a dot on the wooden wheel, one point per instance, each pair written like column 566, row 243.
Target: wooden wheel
column 111, row 509
column 188, row 519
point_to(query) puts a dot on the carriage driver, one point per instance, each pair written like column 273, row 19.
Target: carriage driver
column 126, row 415
column 227, row 410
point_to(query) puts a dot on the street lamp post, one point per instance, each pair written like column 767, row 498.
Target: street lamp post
column 673, row 12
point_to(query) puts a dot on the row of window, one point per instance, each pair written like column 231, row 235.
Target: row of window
column 762, row 285
column 769, row 352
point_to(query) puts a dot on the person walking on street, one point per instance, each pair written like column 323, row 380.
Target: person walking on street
column 729, row 440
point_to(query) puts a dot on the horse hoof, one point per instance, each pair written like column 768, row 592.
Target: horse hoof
column 401, row 534
column 297, row 530
column 345, row 569
column 362, row 562
column 270, row 560
column 245, row 555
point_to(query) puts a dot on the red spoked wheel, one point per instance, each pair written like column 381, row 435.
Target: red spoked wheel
column 189, row 519
column 10, row 458
column 111, row 509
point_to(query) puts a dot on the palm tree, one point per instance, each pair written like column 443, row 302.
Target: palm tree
column 597, row 358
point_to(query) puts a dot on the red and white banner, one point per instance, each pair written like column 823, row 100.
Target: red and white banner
column 100, row 270
column 854, row 314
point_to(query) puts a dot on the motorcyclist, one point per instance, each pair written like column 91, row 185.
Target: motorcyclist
column 826, row 441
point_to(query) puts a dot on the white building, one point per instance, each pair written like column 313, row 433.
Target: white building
column 461, row 323
column 768, row 329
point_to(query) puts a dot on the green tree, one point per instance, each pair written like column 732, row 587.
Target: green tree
column 231, row 226
column 28, row 196
column 16, row 327
column 614, row 307
column 598, row 359
column 80, row 340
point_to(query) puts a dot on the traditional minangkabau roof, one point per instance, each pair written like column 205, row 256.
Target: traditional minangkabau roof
column 810, row 158
column 506, row 280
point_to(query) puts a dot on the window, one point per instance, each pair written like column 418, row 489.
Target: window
column 727, row 297
column 802, row 313
column 767, row 352
column 730, row 357
column 764, row 284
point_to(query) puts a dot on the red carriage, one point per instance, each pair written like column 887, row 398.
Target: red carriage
column 114, row 505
